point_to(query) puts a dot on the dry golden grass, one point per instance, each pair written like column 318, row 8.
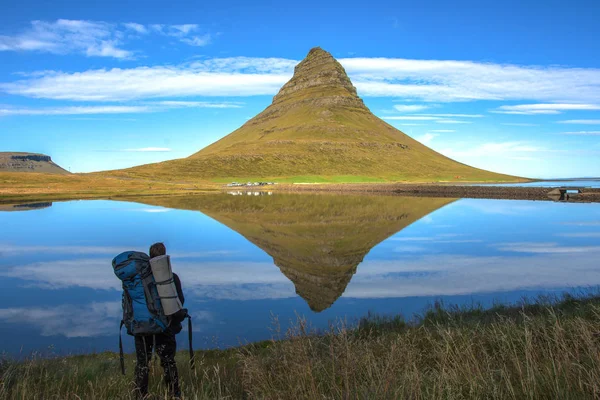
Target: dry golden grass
column 15, row 186
column 536, row 351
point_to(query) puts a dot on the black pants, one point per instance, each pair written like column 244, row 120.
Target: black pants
column 165, row 349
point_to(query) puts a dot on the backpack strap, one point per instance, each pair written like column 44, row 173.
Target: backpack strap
column 192, row 361
column 121, row 357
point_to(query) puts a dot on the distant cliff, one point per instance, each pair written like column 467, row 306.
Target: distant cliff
column 29, row 162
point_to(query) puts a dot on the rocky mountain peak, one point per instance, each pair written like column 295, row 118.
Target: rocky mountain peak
column 319, row 78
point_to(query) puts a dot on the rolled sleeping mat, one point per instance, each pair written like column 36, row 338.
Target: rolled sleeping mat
column 163, row 275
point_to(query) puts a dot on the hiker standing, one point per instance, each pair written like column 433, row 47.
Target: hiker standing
column 165, row 343
column 152, row 313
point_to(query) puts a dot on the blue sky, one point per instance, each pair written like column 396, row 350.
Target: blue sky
column 509, row 86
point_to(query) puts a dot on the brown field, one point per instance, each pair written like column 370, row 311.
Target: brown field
column 17, row 186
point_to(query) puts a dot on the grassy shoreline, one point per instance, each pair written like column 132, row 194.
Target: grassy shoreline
column 377, row 189
column 547, row 348
column 30, row 187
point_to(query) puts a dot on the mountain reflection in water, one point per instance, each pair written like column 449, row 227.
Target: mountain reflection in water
column 317, row 241
column 24, row 207
column 243, row 259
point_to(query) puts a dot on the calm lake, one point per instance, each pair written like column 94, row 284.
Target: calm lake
column 244, row 259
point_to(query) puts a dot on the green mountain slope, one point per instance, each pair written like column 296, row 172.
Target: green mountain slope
column 317, row 128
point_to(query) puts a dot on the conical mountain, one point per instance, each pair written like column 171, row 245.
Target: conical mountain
column 317, row 241
column 316, row 127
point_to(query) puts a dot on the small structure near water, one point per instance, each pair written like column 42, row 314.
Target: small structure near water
column 564, row 193
column 249, row 193
column 249, row 184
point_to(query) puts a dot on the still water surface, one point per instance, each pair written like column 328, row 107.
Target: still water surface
column 242, row 259
column 580, row 183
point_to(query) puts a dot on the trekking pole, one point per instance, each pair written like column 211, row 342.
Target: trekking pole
column 121, row 357
column 192, row 361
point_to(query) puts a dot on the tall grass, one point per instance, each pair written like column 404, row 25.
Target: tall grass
column 529, row 351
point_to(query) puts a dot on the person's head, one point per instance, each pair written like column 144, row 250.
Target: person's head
column 157, row 249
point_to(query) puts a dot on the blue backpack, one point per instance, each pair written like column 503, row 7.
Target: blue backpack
column 142, row 310
column 143, row 313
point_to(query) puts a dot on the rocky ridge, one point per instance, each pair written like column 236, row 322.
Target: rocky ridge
column 320, row 76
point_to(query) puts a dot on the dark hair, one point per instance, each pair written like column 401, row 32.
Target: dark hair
column 157, row 249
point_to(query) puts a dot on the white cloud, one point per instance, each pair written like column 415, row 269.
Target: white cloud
column 453, row 115
column 184, row 33
column 67, row 273
column 580, row 234
column 139, row 28
column 583, row 223
column 87, row 110
column 198, row 41
column 532, row 109
column 410, row 107
column 427, row 80
column 583, row 133
column 107, row 49
column 581, row 121
column 519, row 124
column 407, row 248
column 448, row 80
column 442, row 130
column 532, row 112
column 222, row 277
column 545, row 248
column 197, row 104
column 89, row 320
column 93, row 38
column 81, row 320
column 182, row 30
column 154, row 210
column 148, row 150
column 451, row 121
column 245, row 65
column 92, row 110
column 437, row 118
column 412, row 239
column 12, row 250
column 143, row 82
column 410, row 118
column 427, row 138
column 455, row 274
column 494, row 149
column 63, row 36
column 541, row 265
column 435, row 239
